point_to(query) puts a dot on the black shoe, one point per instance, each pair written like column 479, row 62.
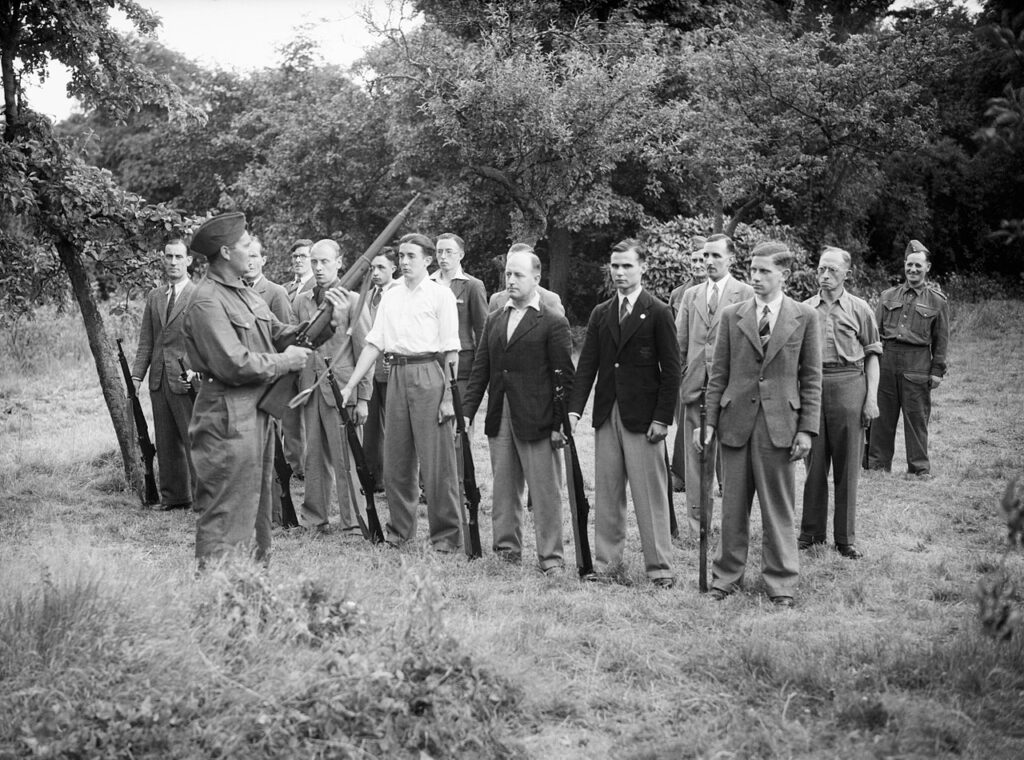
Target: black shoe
column 664, row 582
column 783, row 601
column 849, row 551
column 718, row 594
column 806, row 543
column 170, row 507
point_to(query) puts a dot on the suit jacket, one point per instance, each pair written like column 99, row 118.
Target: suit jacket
column 548, row 298
column 784, row 379
column 696, row 331
column 341, row 348
column 522, row 370
column 276, row 297
column 162, row 343
column 293, row 290
column 636, row 364
column 471, row 301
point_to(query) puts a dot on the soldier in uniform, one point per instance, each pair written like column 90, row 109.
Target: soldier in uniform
column 230, row 335
column 470, row 298
column 849, row 387
column 327, row 457
column 914, row 322
column 161, row 345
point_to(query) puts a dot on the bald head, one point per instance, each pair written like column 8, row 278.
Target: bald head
column 522, row 276
column 325, row 260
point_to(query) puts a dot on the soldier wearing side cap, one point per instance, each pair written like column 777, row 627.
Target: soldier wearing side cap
column 231, row 335
column 913, row 319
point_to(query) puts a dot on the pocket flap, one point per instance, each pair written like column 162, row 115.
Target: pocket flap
column 918, row 378
column 241, row 321
column 795, row 403
column 926, row 311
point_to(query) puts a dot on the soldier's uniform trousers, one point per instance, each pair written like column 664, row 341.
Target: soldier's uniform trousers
column 903, row 384
column 837, row 445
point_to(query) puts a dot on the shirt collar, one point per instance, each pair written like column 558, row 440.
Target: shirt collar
column 773, row 305
column 458, row 274
column 631, row 297
column 304, row 280
column 533, row 303
column 721, row 283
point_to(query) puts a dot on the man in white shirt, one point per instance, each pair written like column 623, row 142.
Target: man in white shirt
column 161, row 345
column 416, row 322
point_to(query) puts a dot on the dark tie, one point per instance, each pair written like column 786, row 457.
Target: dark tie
column 318, row 295
column 713, row 303
column 624, row 310
column 375, row 300
column 170, row 305
column 763, row 327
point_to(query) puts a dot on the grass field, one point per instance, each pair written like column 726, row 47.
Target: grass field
column 110, row 648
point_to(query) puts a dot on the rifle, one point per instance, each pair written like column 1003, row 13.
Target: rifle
column 470, row 491
column 146, row 447
column 370, row 527
column 706, row 476
column 579, row 506
column 673, row 523
column 318, row 329
column 184, row 379
column 867, row 447
column 283, row 472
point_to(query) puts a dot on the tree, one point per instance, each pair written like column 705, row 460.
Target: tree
column 55, row 208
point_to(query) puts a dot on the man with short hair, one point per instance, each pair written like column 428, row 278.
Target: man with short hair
column 470, row 298
column 275, row 296
column 698, row 272
column 327, row 457
column 382, row 278
column 700, row 313
column 764, row 402
column 850, row 347
column 522, row 347
column 417, row 321
column 913, row 319
column 549, row 298
column 161, row 346
column 302, row 273
column 631, row 351
column 231, row 337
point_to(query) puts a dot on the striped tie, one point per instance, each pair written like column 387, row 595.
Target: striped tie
column 764, row 328
column 624, row 311
column 713, row 301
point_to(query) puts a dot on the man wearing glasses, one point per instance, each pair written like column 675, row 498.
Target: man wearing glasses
column 850, row 347
column 470, row 298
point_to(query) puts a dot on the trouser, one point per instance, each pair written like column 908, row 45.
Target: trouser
column 762, row 468
column 373, row 431
column 413, row 440
column 233, row 453
column 903, row 384
column 171, row 415
column 625, row 456
column 517, row 463
column 294, row 441
column 327, row 465
column 838, row 444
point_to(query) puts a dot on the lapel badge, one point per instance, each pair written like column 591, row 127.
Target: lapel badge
column 643, row 316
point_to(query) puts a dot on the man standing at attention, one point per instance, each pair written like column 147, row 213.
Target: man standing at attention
column 849, row 386
column 231, row 336
column 470, row 298
column 417, row 326
column 913, row 319
column 302, row 279
column 631, row 351
column 764, row 400
column 327, row 459
column 696, row 328
column 521, row 348
column 382, row 277
column 161, row 345
column 274, row 295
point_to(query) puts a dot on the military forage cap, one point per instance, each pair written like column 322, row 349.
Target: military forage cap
column 698, row 243
column 222, row 230
column 915, row 246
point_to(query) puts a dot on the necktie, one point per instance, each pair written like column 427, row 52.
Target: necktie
column 713, row 303
column 170, row 305
column 763, row 327
column 624, row 310
column 375, row 299
column 248, row 284
column 318, row 295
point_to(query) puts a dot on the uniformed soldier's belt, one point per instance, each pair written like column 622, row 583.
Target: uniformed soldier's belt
column 842, row 364
column 398, row 359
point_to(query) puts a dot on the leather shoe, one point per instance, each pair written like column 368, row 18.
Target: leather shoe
column 783, row 601
column 718, row 594
column 849, row 551
column 664, row 582
column 806, row 543
column 169, row 507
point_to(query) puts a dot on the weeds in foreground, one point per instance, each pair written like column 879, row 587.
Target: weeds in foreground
column 999, row 602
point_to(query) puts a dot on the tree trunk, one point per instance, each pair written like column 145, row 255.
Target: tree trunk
column 107, row 368
column 559, row 257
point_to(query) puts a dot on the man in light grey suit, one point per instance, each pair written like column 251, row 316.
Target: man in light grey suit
column 161, row 345
column 764, row 400
column 696, row 328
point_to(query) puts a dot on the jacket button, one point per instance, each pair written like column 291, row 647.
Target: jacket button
column 616, row 365
column 760, row 379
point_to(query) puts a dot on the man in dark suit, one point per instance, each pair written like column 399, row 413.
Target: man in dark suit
column 631, row 351
column 382, row 276
column 522, row 346
column 696, row 328
column 274, row 295
column 161, row 345
column 764, row 400
column 549, row 298
column 470, row 298
column 302, row 280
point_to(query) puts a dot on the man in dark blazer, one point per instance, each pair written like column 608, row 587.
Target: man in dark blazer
column 274, row 295
column 549, row 298
column 470, row 299
column 522, row 346
column 161, row 345
column 764, row 401
column 697, row 323
column 631, row 351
